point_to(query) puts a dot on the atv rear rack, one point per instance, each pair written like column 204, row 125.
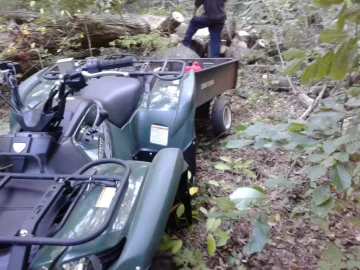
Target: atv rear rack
column 157, row 68
column 25, row 234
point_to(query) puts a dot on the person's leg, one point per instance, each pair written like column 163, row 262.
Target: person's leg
column 196, row 24
column 215, row 39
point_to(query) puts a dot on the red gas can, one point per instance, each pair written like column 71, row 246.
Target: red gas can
column 195, row 66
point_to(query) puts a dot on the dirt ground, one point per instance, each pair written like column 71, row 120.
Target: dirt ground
column 296, row 238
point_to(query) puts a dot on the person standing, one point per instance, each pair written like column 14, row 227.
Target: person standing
column 214, row 18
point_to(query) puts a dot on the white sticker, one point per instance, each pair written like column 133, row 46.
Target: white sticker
column 106, row 197
column 207, row 84
column 176, row 82
column 159, row 135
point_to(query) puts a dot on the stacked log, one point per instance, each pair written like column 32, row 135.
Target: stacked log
column 101, row 30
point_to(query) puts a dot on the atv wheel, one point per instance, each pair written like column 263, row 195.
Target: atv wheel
column 220, row 115
column 163, row 261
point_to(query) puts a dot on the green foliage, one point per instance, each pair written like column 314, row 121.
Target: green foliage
column 189, row 259
column 144, row 42
column 338, row 61
column 330, row 156
column 259, row 235
column 334, row 258
column 246, row 197
column 236, row 166
column 170, row 244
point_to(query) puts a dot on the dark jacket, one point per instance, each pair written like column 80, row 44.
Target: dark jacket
column 214, row 9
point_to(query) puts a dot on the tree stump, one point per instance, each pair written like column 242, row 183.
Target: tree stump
column 170, row 24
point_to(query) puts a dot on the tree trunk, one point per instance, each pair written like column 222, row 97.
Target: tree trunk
column 53, row 38
column 101, row 29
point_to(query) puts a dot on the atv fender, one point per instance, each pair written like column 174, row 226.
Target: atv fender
column 153, row 210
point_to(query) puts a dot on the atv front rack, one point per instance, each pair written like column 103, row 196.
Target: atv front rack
column 25, row 235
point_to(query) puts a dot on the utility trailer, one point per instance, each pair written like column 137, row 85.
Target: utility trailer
column 217, row 76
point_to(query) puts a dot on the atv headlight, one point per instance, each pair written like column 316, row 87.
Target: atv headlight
column 82, row 264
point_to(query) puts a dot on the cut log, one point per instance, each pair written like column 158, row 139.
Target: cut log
column 229, row 31
column 181, row 30
column 280, row 85
column 316, row 89
column 174, row 39
column 237, row 42
column 199, row 45
column 153, row 21
column 305, row 100
column 237, row 49
column 223, row 50
column 260, row 44
column 170, row 24
column 244, row 36
column 249, row 37
column 203, row 33
column 179, row 51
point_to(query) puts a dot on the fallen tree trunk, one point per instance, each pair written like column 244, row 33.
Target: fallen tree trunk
column 97, row 30
column 46, row 38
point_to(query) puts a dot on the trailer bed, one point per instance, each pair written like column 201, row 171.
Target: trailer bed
column 217, row 76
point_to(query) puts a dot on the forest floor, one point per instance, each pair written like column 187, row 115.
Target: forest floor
column 296, row 237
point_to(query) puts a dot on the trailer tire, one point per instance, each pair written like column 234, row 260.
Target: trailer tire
column 220, row 116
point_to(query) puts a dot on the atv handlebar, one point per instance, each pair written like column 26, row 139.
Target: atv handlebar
column 90, row 75
column 95, row 65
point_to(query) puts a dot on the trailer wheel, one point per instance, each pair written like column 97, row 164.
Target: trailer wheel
column 221, row 116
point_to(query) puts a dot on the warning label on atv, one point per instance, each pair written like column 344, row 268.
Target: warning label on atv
column 106, row 197
column 159, row 135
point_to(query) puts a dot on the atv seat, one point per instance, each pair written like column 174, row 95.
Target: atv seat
column 118, row 96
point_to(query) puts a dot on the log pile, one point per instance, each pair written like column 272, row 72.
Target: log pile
column 99, row 31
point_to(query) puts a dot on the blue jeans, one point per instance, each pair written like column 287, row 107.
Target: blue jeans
column 215, row 34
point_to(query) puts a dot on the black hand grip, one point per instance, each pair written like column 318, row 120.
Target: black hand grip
column 94, row 65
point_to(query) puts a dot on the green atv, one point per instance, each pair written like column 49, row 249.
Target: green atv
column 98, row 153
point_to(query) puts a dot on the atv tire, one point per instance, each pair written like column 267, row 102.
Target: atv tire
column 220, row 116
column 163, row 261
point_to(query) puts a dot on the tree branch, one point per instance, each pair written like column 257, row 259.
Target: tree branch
column 313, row 105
